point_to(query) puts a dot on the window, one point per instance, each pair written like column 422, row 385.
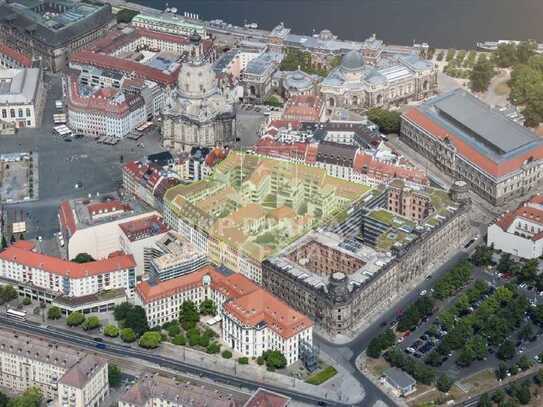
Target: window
column 20, row 112
column 28, row 112
column 12, row 113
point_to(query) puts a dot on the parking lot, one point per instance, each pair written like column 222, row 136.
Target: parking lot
column 424, row 341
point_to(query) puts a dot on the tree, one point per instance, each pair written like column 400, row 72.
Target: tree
column 189, row 315
column 150, row 340
column 498, row 396
column 226, row 354
column 126, row 15
column 75, row 319
column 27, row 301
column 31, row 397
column 525, row 51
column 501, row 371
column 54, row 313
column 524, row 363
column 242, row 361
column 208, row 307
column 526, row 332
column 173, row 329
column 274, row 359
column 485, row 401
column 213, row 348
column 482, row 256
column 505, row 55
column 179, row 340
column 481, row 75
column 538, row 378
column 506, row 351
column 295, row 59
column 113, row 375
column 111, row 330
column 83, row 258
column 121, row 310
column 387, row 121
column 379, row 343
column 90, row 323
column 273, row 101
column 127, row 335
column 466, row 357
column 4, row 242
column 444, row 383
column 7, row 293
column 136, row 319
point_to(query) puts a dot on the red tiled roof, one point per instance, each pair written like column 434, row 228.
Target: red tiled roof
column 100, row 208
column 266, row 398
column 216, row 155
column 248, row 302
column 303, row 108
column 365, row 163
column 164, row 289
column 66, row 217
column 24, row 244
column 469, row 152
column 102, row 101
column 15, row 55
column 261, row 306
column 127, row 66
column 62, row 267
column 144, row 227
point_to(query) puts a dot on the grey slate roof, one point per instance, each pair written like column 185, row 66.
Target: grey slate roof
column 18, row 86
column 482, row 124
column 82, row 371
column 399, row 378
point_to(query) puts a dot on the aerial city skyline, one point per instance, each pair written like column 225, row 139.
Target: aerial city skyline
column 208, row 212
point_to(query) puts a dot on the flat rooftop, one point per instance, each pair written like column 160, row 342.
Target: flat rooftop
column 55, row 22
column 19, row 86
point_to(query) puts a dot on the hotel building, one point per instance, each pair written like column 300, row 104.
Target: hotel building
column 20, row 264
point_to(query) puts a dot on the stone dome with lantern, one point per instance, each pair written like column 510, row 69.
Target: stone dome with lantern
column 197, row 113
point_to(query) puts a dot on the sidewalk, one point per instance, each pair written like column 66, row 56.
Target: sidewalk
column 361, row 361
column 343, row 387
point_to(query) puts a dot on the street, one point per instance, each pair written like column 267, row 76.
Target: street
column 148, row 356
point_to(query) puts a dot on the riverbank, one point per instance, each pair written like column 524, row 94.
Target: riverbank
column 396, row 22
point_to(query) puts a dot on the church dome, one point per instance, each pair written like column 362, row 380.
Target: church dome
column 352, row 61
column 196, row 80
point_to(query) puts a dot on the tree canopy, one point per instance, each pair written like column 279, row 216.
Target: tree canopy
column 189, row 315
column 274, row 359
column 481, row 75
column 127, row 335
column 75, row 319
column 387, row 121
column 7, row 293
column 111, row 331
column 54, row 313
column 83, row 258
column 31, row 397
column 113, row 375
column 150, row 340
column 91, row 322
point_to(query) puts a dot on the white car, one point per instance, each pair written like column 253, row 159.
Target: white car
column 423, row 293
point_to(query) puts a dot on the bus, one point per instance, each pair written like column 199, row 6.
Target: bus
column 16, row 314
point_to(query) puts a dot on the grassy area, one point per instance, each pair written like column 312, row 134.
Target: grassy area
column 322, row 376
column 439, row 199
column 383, row 216
column 502, row 88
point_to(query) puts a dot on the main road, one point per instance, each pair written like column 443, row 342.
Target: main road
column 148, row 356
column 346, row 354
